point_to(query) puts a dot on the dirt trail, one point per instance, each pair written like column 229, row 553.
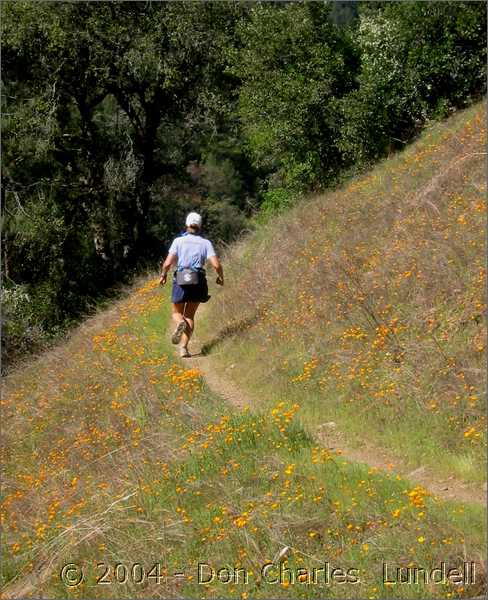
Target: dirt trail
column 221, row 386
column 446, row 488
column 329, row 436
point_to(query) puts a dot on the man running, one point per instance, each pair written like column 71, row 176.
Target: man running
column 189, row 252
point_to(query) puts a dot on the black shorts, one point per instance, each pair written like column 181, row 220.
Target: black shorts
column 190, row 293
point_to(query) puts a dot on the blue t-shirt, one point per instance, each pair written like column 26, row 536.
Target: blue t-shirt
column 191, row 251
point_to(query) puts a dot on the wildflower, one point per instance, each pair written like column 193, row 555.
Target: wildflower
column 241, row 521
column 15, row 548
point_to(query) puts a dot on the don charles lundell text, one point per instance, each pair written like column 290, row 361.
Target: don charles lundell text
column 278, row 574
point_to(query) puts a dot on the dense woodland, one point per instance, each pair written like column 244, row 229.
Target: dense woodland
column 118, row 117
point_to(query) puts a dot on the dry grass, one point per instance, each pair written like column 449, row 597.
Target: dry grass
column 369, row 302
column 80, row 424
column 115, row 453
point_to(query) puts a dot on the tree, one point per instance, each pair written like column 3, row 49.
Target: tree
column 419, row 60
column 294, row 63
column 104, row 102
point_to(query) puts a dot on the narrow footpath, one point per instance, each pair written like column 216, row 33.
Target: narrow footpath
column 331, row 437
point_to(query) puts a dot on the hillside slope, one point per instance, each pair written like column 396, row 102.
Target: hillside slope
column 367, row 305
column 123, row 471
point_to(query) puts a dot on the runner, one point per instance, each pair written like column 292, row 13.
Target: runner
column 189, row 252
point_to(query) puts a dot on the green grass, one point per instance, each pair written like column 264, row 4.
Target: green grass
column 115, row 453
column 415, row 442
column 367, row 305
column 190, row 480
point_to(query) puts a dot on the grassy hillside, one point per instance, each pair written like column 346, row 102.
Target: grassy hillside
column 367, row 305
column 115, row 453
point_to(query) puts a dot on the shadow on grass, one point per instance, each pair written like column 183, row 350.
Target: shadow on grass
column 229, row 331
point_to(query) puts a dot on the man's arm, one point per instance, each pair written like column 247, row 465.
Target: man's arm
column 166, row 266
column 216, row 264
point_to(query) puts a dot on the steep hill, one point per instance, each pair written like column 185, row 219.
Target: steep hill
column 367, row 305
column 130, row 474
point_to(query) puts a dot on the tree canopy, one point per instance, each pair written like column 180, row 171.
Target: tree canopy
column 120, row 116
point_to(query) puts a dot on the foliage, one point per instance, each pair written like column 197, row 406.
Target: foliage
column 419, row 60
column 276, row 200
column 292, row 65
column 105, row 104
column 120, row 116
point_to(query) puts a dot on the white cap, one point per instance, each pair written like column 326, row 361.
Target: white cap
column 193, row 218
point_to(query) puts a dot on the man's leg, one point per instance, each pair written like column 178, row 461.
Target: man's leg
column 177, row 312
column 189, row 316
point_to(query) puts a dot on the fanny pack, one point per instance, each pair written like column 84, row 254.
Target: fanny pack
column 187, row 277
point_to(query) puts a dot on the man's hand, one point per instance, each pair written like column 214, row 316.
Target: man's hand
column 219, row 280
column 163, row 278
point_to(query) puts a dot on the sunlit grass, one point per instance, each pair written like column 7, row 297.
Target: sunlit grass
column 370, row 304
column 147, row 467
column 116, row 453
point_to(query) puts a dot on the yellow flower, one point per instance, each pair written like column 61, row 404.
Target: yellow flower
column 15, row 548
column 240, row 521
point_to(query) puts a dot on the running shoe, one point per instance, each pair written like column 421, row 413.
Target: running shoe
column 178, row 332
